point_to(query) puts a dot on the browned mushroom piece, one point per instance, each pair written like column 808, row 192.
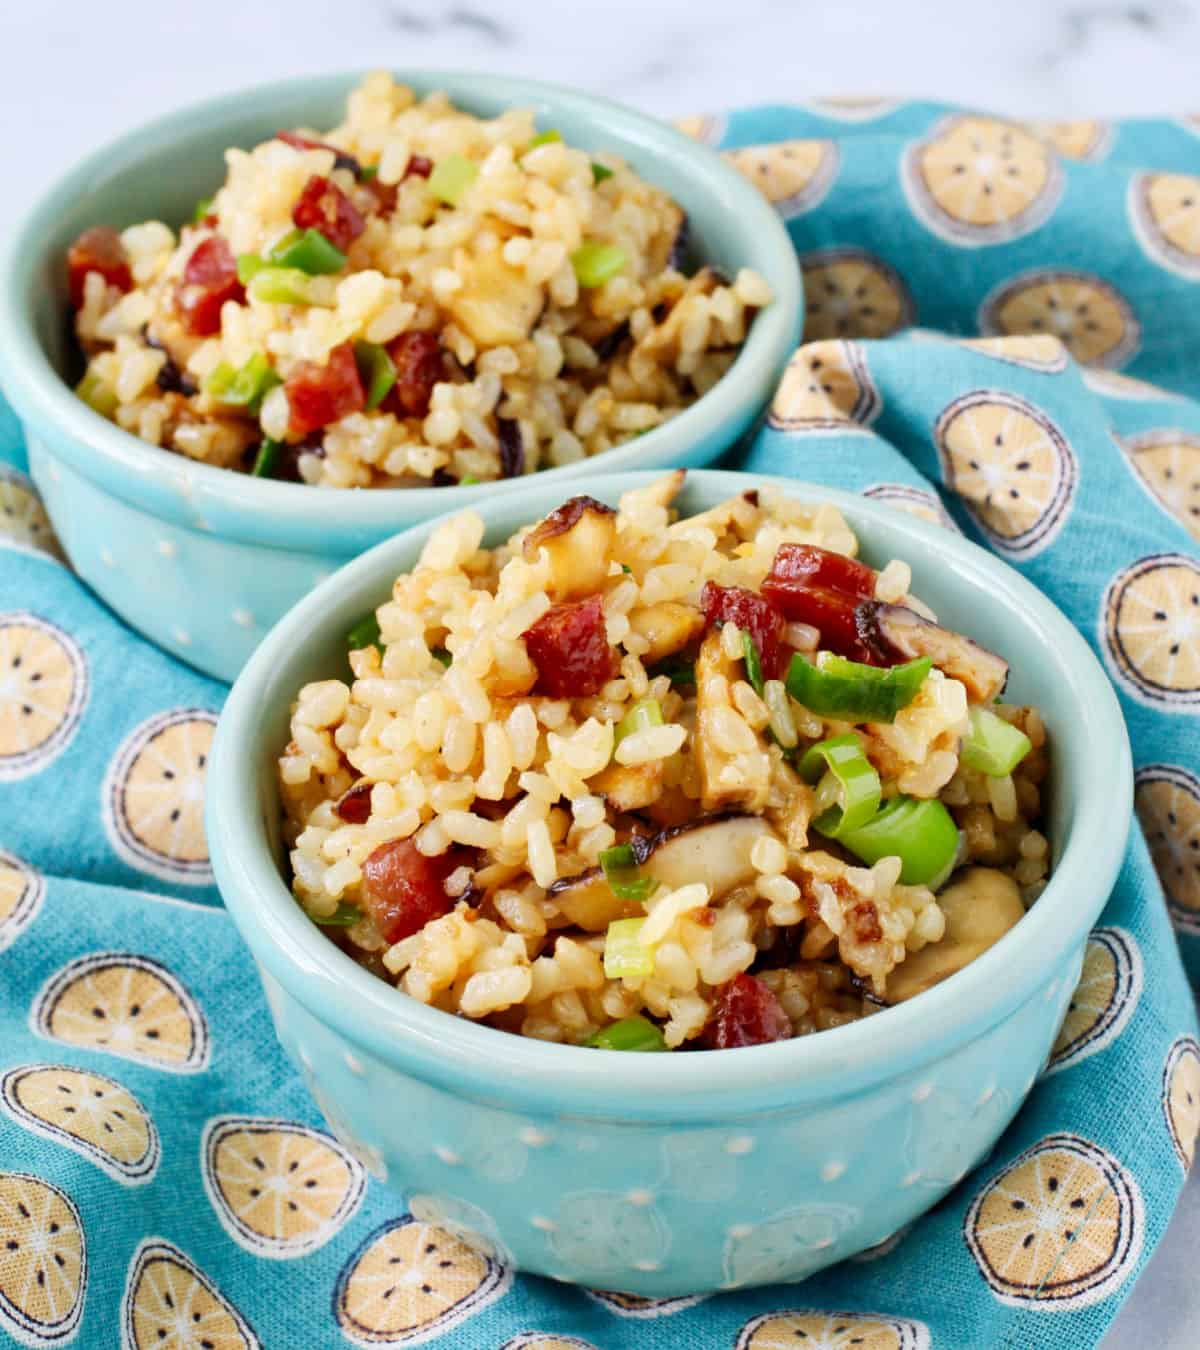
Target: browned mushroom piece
column 980, row 907
column 578, row 538
column 982, row 672
column 715, row 851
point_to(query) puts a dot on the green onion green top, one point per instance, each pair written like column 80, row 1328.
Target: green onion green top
column 631, row 1033
column 376, row 370
column 249, row 265
column 753, row 663
column 600, row 172
column 244, row 387
column 365, row 633
column 281, row 286
column 543, row 138
column 308, row 251
column 266, row 459
column 621, row 873
column 854, row 778
column 202, row 208
column 853, row 692
column 922, row 834
column 645, row 713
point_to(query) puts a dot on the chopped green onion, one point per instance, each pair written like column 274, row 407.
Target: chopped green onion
column 854, row 778
column 543, row 138
column 244, row 387
column 630, row 1033
column 266, row 459
column 309, row 251
column 282, row 286
column 621, row 873
column 783, row 723
column 365, row 633
column 249, row 265
column 343, row 917
column 98, row 395
column 596, row 263
column 922, row 834
column 366, row 172
column 451, row 177
column 600, row 172
column 753, row 663
column 442, row 655
column 625, row 567
column 993, row 746
column 202, row 208
column 849, row 691
column 624, row 954
column 677, row 670
column 376, row 370
column 645, row 713
column 469, row 480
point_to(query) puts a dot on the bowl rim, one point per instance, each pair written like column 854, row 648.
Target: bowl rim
column 369, row 1012
column 93, row 444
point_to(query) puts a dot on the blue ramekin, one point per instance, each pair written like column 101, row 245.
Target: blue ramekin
column 658, row 1174
column 202, row 560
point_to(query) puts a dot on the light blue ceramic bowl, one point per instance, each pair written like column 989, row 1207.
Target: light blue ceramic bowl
column 203, row 561
column 674, row 1174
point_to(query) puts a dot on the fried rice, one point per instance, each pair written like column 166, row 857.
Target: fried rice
column 526, row 300
column 452, row 807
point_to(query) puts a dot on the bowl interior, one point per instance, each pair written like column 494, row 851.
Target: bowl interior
column 1051, row 667
column 160, row 171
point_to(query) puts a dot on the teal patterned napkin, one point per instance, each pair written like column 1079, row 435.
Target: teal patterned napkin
column 166, row 1181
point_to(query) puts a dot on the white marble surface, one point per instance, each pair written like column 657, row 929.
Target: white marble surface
column 76, row 73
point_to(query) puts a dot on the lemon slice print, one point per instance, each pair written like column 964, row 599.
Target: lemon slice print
column 88, row 1112
column 789, row 1246
column 1104, row 999
column 1062, row 1225
column 126, row 1005
column 153, row 796
column 826, row 387
column 912, row 501
column 1012, row 467
column 462, row 1220
column 1167, row 800
column 1084, row 138
column 1094, row 322
column 1039, row 352
column 43, row 692
column 410, row 1282
column 43, row 1261
column 1111, row 384
column 537, row 1340
column 707, row 128
column 1152, row 630
column 280, row 1189
column 169, row 1304
column 24, row 524
column 641, row 1307
column 22, row 891
column 812, row 1330
column 850, row 293
column 794, row 176
column 1181, row 1097
column 1167, row 463
column 982, row 180
column 1165, row 211
column 854, row 107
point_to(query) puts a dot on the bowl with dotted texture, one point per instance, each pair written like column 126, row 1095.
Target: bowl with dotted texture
column 672, row 1174
column 203, row 560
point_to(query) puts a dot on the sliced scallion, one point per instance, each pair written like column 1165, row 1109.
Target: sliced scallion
column 308, row 251
column 993, row 746
column 543, row 138
column 343, row 917
column 855, row 782
column 281, row 286
column 624, row 955
column 645, row 713
column 451, row 177
column 98, row 395
column 244, row 386
column 376, row 370
column 921, row 833
column 595, row 263
column 249, row 265
column 621, row 873
column 600, row 172
column 202, row 208
column 783, row 722
column 630, row 1033
column 753, row 663
column 851, row 691
column 266, row 459
column 365, row 633
column 677, row 670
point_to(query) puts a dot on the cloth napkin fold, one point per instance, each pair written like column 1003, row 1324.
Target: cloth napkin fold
column 127, row 1150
